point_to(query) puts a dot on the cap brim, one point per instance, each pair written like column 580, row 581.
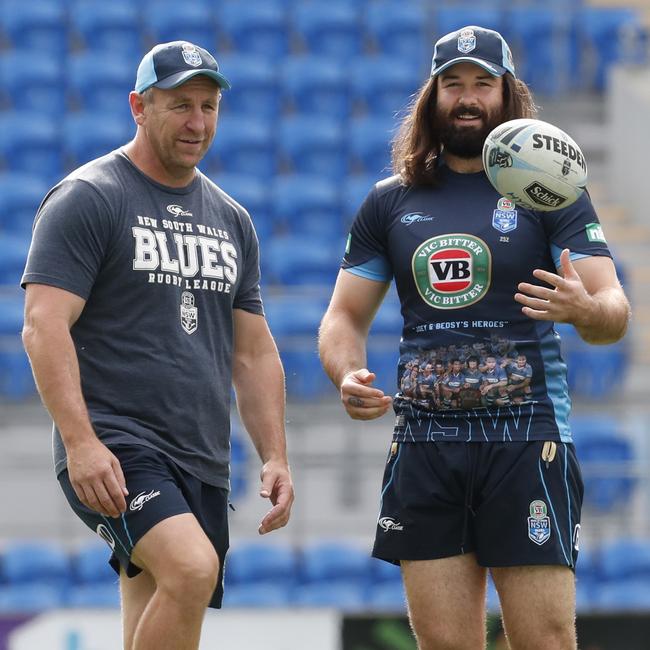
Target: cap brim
column 492, row 68
column 179, row 78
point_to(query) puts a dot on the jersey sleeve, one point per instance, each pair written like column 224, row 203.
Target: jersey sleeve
column 71, row 234
column 248, row 295
column 578, row 229
column 366, row 250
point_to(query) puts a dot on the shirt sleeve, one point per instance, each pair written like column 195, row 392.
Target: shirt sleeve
column 248, row 295
column 71, row 234
column 366, row 250
column 578, row 229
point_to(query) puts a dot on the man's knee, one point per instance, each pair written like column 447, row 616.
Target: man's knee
column 558, row 634
column 433, row 634
column 191, row 576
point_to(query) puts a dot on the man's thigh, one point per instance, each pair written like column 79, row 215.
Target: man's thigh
column 446, row 600
column 174, row 542
column 538, row 606
column 158, row 491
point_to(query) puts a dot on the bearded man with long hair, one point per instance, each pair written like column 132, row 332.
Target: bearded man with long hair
column 490, row 487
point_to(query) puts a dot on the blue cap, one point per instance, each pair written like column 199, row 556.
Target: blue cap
column 168, row 65
column 478, row 45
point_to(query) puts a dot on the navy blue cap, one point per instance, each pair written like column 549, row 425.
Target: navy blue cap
column 168, row 65
column 478, row 45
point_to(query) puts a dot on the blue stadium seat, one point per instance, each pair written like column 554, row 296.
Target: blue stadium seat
column 254, row 27
column 11, row 312
column 382, row 360
column 355, row 190
column 327, row 561
column 99, row 596
column 243, row 145
column 36, row 25
column 387, row 597
column 108, row 27
column 331, row 29
column 20, row 196
column 266, row 594
column 101, row 81
column 589, row 427
column 345, row 595
column 493, row 605
column 252, row 193
column 585, row 597
column 385, row 85
column 594, row 372
column 398, row 29
column 305, row 378
column 16, row 379
column 314, row 144
column 167, row 20
column 625, row 559
column 388, row 319
column 632, row 594
column 253, row 562
column 14, row 247
column 370, row 144
column 90, row 564
column 30, row 598
column 300, row 260
column 238, row 466
column 540, row 38
column 607, row 35
column 306, row 204
column 89, row 134
column 33, row 561
column 448, row 18
column 32, row 81
column 31, row 143
column 316, row 85
column 382, row 572
column 293, row 315
column 255, row 86
column 606, row 463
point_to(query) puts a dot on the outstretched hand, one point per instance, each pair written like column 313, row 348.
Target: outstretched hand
column 361, row 399
column 276, row 486
column 566, row 302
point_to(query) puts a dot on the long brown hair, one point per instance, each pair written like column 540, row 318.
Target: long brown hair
column 417, row 143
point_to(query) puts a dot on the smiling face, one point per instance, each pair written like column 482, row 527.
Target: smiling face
column 469, row 106
column 176, row 128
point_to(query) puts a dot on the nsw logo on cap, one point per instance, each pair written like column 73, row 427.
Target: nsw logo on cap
column 191, row 55
column 466, row 41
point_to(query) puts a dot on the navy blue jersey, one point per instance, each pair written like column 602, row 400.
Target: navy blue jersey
column 457, row 253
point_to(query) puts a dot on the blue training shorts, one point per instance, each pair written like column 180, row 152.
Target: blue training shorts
column 513, row 504
column 158, row 489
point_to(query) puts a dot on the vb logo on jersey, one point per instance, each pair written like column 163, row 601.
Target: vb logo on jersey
column 452, row 271
column 189, row 313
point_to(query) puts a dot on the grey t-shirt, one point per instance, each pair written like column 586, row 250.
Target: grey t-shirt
column 161, row 270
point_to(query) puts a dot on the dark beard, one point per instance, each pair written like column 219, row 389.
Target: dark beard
column 466, row 142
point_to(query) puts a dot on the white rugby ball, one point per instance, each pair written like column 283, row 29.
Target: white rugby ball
column 535, row 164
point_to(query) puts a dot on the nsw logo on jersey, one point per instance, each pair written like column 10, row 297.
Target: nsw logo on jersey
column 504, row 218
column 452, row 271
column 189, row 313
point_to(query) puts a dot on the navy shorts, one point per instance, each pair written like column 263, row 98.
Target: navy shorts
column 513, row 504
column 158, row 489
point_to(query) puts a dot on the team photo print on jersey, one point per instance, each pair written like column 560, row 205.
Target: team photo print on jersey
column 468, row 373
